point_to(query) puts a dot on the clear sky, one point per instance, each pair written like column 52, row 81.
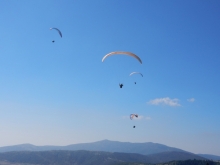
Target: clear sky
column 61, row 93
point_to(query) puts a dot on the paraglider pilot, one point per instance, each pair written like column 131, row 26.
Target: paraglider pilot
column 121, row 85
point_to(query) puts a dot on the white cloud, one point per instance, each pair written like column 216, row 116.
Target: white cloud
column 191, row 100
column 165, row 101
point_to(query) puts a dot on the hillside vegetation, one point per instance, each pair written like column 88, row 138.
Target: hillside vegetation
column 90, row 157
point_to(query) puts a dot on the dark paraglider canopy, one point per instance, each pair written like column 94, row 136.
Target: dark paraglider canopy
column 57, row 31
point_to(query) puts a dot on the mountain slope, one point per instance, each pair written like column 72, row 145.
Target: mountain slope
column 126, row 147
column 182, row 162
column 89, row 157
column 174, row 155
column 104, row 145
column 210, row 157
column 28, row 147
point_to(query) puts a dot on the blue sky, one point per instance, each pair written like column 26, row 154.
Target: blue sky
column 61, row 93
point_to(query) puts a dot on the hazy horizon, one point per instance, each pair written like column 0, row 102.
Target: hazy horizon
column 99, row 141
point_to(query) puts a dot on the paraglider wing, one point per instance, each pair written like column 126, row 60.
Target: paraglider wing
column 122, row 53
column 57, row 30
column 136, row 73
column 133, row 115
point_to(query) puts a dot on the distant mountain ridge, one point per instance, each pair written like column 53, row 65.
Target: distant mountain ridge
column 146, row 148
column 82, row 157
column 104, row 145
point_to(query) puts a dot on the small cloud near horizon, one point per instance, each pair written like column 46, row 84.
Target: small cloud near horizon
column 191, row 100
column 148, row 118
column 165, row 101
column 139, row 117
